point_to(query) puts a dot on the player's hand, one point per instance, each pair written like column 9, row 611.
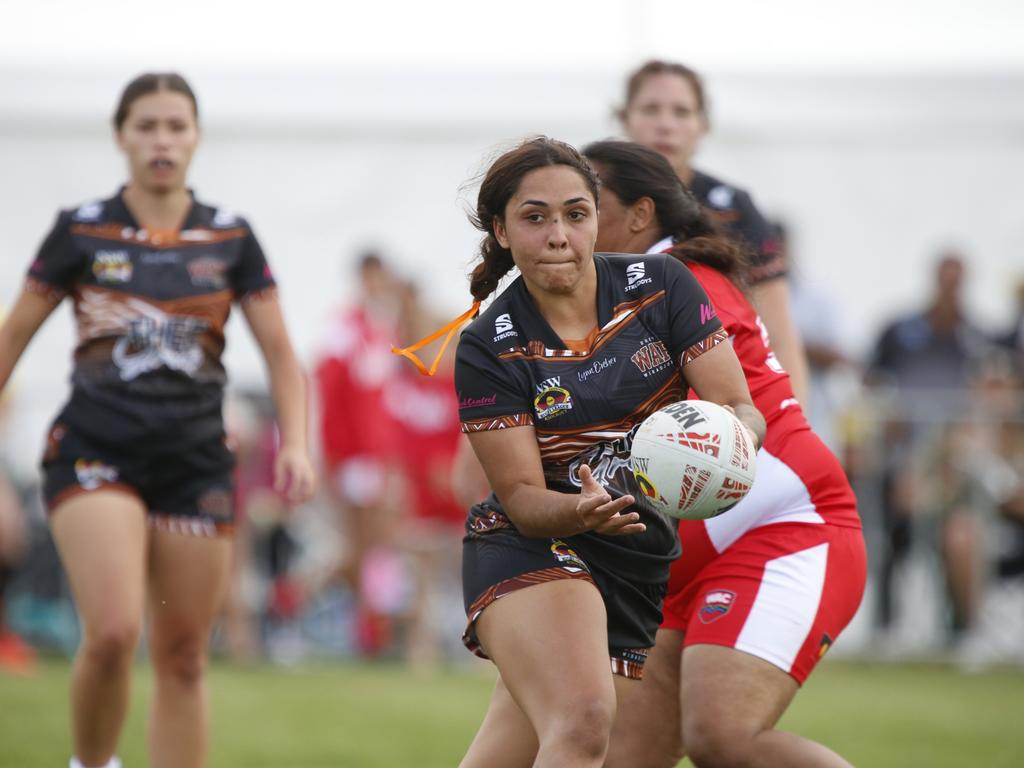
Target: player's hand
column 750, row 432
column 597, row 512
column 294, row 477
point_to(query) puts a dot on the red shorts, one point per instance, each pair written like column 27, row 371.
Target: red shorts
column 781, row 592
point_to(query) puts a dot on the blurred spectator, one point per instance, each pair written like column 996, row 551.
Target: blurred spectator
column 926, row 362
column 15, row 654
column 359, row 441
column 1013, row 339
column 425, row 409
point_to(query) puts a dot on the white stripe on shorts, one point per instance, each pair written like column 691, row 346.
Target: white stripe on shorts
column 778, row 495
column 785, row 607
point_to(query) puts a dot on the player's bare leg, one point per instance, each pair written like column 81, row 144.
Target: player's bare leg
column 505, row 739
column 647, row 731
column 101, row 537
column 550, row 644
column 737, row 699
column 188, row 580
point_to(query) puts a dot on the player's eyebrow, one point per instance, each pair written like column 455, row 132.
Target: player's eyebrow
column 542, row 204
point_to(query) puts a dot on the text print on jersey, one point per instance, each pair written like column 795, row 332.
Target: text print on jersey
column 503, row 327
column 635, row 276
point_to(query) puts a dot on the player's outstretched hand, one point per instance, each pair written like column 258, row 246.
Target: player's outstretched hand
column 294, row 477
column 597, row 511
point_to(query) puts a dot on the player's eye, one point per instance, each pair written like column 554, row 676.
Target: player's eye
column 577, row 215
column 145, row 126
column 178, row 125
column 683, row 112
column 535, row 218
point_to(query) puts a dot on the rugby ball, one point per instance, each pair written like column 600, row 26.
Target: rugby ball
column 693, row 459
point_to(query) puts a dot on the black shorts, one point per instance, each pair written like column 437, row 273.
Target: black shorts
column 497, row 560
column 191, row 491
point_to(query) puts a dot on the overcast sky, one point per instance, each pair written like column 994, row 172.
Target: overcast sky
column 529, row 34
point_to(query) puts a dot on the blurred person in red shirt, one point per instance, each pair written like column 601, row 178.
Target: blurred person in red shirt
column 359, row 440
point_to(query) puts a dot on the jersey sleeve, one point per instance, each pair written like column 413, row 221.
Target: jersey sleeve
column 767, row 261
column 694, row 326
column 251, row 274
column 58, row 263
column 490, row 397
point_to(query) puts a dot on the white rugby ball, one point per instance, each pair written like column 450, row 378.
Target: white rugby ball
column 693, row 459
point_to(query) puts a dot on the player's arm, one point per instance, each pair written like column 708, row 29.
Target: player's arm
column 293, row 471
column 24, row 320
column 771, row 300
column 511, row 461
column 468, row 481
column 716, row 376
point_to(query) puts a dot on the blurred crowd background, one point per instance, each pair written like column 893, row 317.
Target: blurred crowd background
column 891, row 162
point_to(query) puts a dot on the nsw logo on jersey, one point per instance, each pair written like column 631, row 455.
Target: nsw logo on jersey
column 552, row 400
column 636, row 276
column 503, row 327
column 112, row 266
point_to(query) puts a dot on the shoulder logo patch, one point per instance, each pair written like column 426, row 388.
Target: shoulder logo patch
column 503, row 327
column 636, row 276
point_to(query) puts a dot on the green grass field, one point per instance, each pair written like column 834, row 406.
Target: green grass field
column 370, row 716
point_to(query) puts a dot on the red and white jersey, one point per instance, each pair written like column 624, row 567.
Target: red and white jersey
column 353, row 369
column 798, row 480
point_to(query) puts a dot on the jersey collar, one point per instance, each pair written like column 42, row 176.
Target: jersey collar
column 662, row 245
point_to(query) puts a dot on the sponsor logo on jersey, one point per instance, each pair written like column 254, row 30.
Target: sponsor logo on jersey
column 224, row 218
column 208, row 272
column 567, row 556
column 717, row 603
column 707, row 314
column 112, row 266
column 156, row 258
column 635, row 276
column 552, row 399
column 597, row 367
column 503, row 327
column 93, row 474
column 721, row 196
column 652, row 357
column 477, row 402
column 89, row 211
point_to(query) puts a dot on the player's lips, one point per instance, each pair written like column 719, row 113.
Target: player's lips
column 162, row 166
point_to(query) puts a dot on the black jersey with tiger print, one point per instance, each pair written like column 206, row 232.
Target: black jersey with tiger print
column 150, row 309
column 513, row 370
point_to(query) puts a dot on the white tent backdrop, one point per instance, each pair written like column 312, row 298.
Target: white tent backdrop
column 874, row 156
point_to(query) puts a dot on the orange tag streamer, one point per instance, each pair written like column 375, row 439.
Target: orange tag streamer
column 450, row 329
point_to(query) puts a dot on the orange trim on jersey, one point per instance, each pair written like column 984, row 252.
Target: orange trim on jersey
column 582, row 345
column 535, row 350
column 157, row 238
column 704, row 345
column 450, row 329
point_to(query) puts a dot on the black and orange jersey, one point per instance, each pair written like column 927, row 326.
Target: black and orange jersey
column 150, row 309
column 585, row 404
column 734, row 211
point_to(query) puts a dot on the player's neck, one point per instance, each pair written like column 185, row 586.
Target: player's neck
column 158, row 210
column 571, row 315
